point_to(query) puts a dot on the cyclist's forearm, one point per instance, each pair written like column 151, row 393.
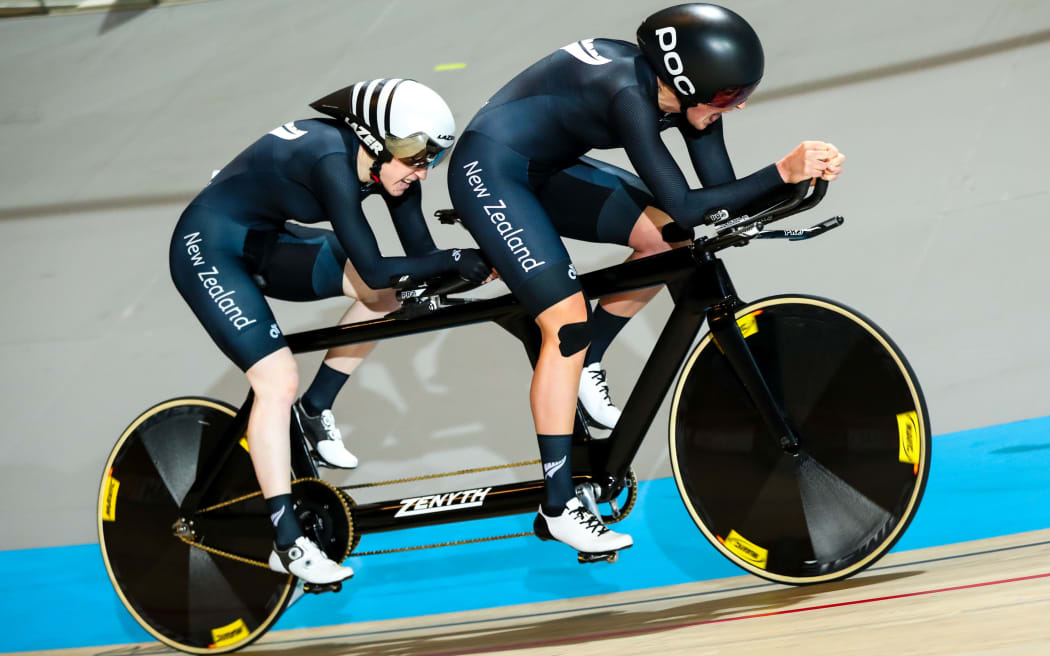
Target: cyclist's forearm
column 412, row 231
column 691, row 207
column 386, row 271
column 660, row 172
column 733, row 196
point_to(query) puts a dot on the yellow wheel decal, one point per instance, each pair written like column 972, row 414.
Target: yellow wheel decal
column 230, row 634
column 911, row 445
column 746, row 549
column 109, row 498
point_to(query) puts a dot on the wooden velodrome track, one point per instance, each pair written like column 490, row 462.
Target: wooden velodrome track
column 982, row 597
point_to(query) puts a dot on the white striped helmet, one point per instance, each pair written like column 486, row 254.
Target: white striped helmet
column 394, row 118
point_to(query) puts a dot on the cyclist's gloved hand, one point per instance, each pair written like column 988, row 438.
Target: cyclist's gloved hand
column 470, row 265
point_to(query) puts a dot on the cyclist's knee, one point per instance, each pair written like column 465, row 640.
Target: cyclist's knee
column 573, row 338
column 275, row 378
column 647, row 237
column 567, row 324
column 381, row 301
column 355, row 287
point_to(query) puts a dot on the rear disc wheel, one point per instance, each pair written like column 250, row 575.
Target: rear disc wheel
column 186, row 597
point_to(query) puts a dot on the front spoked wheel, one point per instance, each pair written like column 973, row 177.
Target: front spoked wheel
column 193, row 599
column 842, row 501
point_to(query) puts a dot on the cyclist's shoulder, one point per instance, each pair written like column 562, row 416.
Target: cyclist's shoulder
column 320, row 136
column 611, row 60
column 616, row 48
column 601, row 51
column 612, row 67
column 308, row 152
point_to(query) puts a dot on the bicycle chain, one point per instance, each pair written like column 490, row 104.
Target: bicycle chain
column 229, row 502
column 426, row 477
column 631, row 500
column 224, row 554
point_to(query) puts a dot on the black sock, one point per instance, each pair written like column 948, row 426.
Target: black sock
column 557, row 472
column 604, row 328
column 322, row 392
column 285, row 527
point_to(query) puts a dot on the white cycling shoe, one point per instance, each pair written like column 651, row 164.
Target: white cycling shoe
column 594, row 395
column 581, row 530
column 324, row 437
column 306, row 560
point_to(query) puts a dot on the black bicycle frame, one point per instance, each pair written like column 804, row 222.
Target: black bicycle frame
column 700, row 287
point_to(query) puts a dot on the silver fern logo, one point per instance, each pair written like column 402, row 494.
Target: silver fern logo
column 551, row 468
column 276, row 517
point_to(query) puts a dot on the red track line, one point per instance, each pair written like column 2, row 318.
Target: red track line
column 671, row 627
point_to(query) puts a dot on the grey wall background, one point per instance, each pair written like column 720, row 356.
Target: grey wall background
column 110, row 123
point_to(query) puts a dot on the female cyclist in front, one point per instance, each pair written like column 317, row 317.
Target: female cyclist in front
column 520, row 182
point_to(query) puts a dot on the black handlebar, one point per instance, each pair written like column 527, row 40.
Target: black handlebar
column 448, row 282
column 731, row 231
column 420, row 298
column 738, row 231
column 796, row 202
column 798, row 234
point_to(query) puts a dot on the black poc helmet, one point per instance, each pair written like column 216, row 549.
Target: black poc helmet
column 706, row 53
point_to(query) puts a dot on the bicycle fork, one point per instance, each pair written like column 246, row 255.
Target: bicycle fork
column 730, row 340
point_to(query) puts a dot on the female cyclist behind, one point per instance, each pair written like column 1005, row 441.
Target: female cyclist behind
column 234, row 245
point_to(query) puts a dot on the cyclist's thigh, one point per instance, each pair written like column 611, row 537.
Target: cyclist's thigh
column 594, row 201
column 302, row 263
column 210, row 272
column 489, row 187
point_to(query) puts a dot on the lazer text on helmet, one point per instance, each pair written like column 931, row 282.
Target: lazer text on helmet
column 667, row 37
column 366, row 137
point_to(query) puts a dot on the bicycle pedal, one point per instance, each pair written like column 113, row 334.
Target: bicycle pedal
column 318, row 588
column 607, row 556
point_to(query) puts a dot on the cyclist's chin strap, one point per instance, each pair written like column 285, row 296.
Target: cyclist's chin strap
column 379, row 161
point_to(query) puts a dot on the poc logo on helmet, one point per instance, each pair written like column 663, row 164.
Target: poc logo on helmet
column 667, row 37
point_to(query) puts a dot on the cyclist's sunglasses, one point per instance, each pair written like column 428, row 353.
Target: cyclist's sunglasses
column 418, row 150
column 731, row 96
